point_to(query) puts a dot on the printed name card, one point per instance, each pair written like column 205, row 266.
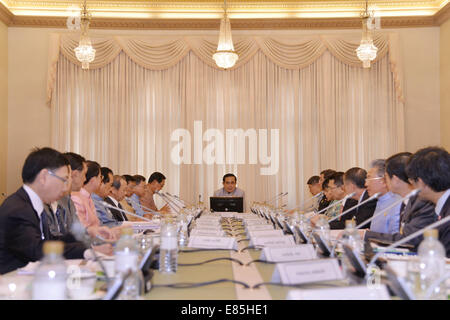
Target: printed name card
column 272, row 241
column 227, row 214
column 378, row 292
column 289, row 253
column 307, row 271
column 209, row 218
column 207, row 232
column 259, row 227
column 206, row 242
column 207, row 223
column 266, row 233
column 208, row 228
column 255, row 222
column 244, row 215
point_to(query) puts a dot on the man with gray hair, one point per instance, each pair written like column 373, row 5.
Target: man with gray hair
column 117, row 194
column 389, row 221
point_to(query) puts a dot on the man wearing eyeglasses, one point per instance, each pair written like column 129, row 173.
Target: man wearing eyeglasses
column 23, row 223
column 389, row 221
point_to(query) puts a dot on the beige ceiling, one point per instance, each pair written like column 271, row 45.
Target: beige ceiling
column 205, row 14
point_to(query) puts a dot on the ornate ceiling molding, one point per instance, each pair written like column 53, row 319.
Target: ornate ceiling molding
column 292, row 21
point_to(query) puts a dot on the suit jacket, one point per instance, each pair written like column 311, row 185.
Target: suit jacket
column 417, row 215
column 115, row 213
column 444, row 230
column 323, row 203
column 20, row 234
column 340, row 222
column 68, row 215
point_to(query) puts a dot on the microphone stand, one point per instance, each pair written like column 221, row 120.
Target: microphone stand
column 335, row 204
column 142, row 206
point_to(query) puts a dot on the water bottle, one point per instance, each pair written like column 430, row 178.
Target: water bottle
column 126, row 256
column 322, row 228
column 49, row 282
column 351, row 236
column 183, row 230
column 431, row 255
column 168, row 250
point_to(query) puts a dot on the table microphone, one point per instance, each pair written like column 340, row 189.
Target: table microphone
column 171, row 204
column 273, row 198
column 106, row 204
column 376, row 195
column 180, row 200
column 281, row 195
column 409, row 195
column 176, row 200
column 142, row 206
column 336, row 203
column 308, row 200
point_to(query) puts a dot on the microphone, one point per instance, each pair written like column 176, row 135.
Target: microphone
column 310, row 199
column 177, row 200
column 376, row 195
column 336, row 203
column 107, row 205
column 142, row 206
column 171, row 204
column 281, row 195
column 273, row 198
column 409, row 195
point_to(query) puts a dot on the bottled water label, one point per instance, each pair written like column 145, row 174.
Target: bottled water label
column 169, row 243
column 126, row 260
column 48, row 290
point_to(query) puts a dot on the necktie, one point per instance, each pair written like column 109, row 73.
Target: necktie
column 123, row 213
column 44, row 226
column 59, row 219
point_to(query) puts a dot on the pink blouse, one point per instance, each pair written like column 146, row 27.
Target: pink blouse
column 85, row 208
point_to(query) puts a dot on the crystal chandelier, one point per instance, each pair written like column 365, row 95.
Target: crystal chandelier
column 225, row 56
column 84, row 52
column 366, row 51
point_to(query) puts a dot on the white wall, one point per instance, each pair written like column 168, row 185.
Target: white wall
column 29, row 117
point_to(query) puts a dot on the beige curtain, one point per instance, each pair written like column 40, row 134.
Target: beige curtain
column 330, row 113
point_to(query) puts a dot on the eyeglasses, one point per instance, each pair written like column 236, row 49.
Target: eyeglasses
column 377, row 178
column 58, row 177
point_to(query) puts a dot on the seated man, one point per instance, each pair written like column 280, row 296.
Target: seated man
column 323, row 201
column 138, row 192
column 117, row 194
column 23, row 223
column 155, row 183
column 354, row 180
column 415, row 214
column 387, row 222
column 229, row 189
column 429, row 170
column 104, row 213
column 315, row 188
column 131, row 183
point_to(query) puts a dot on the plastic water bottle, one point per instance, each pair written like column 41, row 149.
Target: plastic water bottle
column 183, row 230
column 168, row 250
column 322, row 228
column 431, row 265
column 351, row 236
column 126, row 258
column 49, row 282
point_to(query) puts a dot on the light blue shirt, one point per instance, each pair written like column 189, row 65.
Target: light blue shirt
column 389, row 221
column 104, row 215
column 135, row 203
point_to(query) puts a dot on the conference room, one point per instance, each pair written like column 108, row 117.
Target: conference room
column 223, row 153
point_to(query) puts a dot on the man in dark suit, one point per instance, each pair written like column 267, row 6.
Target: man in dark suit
column 415, row 214
column 324, row 175
column 429, row 170
column 354, row 180
column 23, row 225
column 117, row 194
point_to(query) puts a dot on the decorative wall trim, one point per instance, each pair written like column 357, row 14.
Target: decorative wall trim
column 5, row 15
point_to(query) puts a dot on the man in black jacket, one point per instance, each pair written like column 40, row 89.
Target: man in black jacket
column 23, row 225
column 429, row 170
column 415, row 214
column 117, row 194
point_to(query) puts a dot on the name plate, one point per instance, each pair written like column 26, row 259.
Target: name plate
column 227, row 214
column 307, row 271
column 266, row 233
column 289, row 253
column 208, row 228
column 209, row 217
column 206, row 242
column 207, row 232
column 243, row 215
column 255, row 222
column 259, row 227
column 207, row 223
column 379, row 292
column 272, row 241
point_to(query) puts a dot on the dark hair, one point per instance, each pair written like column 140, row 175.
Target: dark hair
column 396, row 165
column 432, row 165
column 116, row 181
column 93, row 170
column 313, row 180
column 128, row 178
column 105, row 174
column 138, row 178
column 158, row 176
column 38, row 159
column 327, row 173
column 357, row 176
column 338, row 178
column 229, row 175
column 75, row 160
column 325, row 183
